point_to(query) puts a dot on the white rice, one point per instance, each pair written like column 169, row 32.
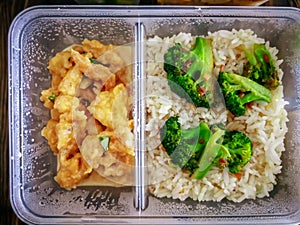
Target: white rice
column 265, row 124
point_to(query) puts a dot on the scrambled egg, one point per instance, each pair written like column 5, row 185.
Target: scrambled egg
column 90, row 101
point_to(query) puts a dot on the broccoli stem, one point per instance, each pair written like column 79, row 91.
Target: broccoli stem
column 204, row 51
column 203, row 67
column 204, row 136
column 210, row 152
column 251, row 58
column 203, row 60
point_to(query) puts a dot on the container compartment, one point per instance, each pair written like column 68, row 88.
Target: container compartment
column 281, row 28
column 36, row 36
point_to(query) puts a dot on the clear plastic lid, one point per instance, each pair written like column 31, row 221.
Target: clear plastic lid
column 38, row 33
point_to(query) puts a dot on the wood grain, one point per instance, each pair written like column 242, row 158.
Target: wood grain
column 8, row 10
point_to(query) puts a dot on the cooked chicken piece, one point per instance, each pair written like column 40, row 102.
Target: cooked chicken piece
column 115, row 168
column 66, row 137
column 125, row 52
column 66, row 103
column 125, row 75
column 110, row 108
column 55, row 114
column 72, row 169
column 92, row 151
column 115, row 164
column 45, row 97
column 70, row 82
column 103, row 107
column 112, row 60
column 96, row 47
column 60, row 64
column 96, row 155
column 49, row 132
column 93, row 126
column 118, row 149
column 115, row 171
column 121, row 120
column 119, row 60
column 85, row 83
column 79, row 125
column 86, row 96
column 101, row 73
column 93, row 71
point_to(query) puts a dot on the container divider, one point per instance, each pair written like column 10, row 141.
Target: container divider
column 142, row 89
column 140, row 191
column 136, row 116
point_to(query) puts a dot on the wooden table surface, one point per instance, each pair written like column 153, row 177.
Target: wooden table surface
column 8, row 10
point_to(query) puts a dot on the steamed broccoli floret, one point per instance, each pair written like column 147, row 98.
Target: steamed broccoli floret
column 188, row 71
column 201, row 148
column 239, row 146
column 238, row 91
column 232, row 149
column 261, row 67
column 170, row 134
column 183, row 146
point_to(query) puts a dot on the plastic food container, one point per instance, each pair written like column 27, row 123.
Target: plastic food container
column 39, row 32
